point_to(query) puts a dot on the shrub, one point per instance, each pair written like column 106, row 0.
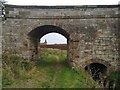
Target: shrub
column 14, row 67
column 114, row 78
column 7, row 77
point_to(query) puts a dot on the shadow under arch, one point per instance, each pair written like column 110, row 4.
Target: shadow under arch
column 98, row 68
column 39, row 32
column 36, row 34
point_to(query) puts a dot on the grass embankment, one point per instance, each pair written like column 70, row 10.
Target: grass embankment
column 51, row 71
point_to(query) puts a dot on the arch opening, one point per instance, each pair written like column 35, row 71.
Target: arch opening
column 36, row 35
column 53, row 52
column 97, row 70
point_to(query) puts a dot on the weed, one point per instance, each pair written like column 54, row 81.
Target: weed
column 50, row 71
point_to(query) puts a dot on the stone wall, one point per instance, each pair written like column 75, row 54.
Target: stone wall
column 93, row 31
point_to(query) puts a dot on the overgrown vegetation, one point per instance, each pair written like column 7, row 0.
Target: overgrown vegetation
column 50, row 71
column 14, row 67
column 114, row 80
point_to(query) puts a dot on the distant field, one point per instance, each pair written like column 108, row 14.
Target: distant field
column 54, row 46
column 50, row 71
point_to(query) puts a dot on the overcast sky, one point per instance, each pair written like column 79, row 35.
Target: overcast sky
column 54, row 38
column 62, row 2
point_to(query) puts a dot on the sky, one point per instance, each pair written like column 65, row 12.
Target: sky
column 54, row 38
column 62, row 2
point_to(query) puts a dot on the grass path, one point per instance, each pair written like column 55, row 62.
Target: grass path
column 53, row 83
column 52, row 77
column 53, row 72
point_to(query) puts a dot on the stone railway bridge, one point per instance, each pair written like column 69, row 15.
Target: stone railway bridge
column 92, row 32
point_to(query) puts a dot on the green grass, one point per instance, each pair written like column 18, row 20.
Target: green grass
column 50, row 71
column 114, row 77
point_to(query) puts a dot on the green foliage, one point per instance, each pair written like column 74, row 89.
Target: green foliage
column 7, row 78
column 50, row 71
column 6, row 81
column 53, row 63
column 115, row 78
column 14, row 67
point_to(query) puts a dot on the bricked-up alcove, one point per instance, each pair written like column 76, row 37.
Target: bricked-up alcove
column 36, row 34
column 97, row 70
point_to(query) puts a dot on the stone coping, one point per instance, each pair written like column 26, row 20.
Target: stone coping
column 61, row 7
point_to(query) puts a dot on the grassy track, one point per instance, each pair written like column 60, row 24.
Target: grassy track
column 51, row 71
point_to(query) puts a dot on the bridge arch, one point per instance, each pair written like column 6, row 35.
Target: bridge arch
column 98, row 68
column 36, row 34
column 40, row 31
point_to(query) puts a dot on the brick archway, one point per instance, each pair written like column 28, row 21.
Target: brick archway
column 97, row 70
column 36, row 34
column 39, row 32
column 89, row 60
column 97, row 66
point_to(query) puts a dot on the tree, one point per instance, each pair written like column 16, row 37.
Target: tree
column 2, row 8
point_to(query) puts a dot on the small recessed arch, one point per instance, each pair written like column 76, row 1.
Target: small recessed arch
column 91, row 65
column 97, row 70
